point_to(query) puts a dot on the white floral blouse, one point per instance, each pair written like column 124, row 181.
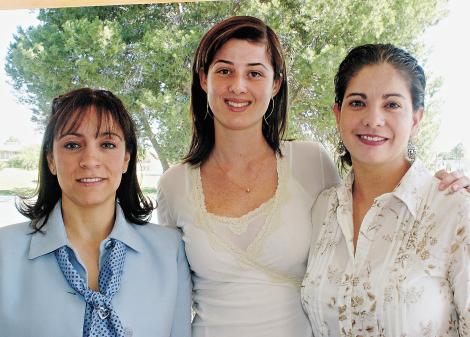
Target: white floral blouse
column 410, row 275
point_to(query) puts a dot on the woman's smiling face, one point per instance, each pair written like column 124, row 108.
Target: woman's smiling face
column 89, row 161
column 376, row 118
column 239, row 84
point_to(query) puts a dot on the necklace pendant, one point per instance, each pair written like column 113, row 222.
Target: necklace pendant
column 247, row 190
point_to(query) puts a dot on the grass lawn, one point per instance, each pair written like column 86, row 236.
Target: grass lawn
column 17, row 181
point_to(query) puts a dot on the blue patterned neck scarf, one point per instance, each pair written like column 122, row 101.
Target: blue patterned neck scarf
column 100, row 317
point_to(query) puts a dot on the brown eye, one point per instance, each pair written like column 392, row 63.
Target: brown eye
column 356, row 104
column 108, row 145
column 223, row 71
column 255, row 74
column 393, row 105
column 71, row 146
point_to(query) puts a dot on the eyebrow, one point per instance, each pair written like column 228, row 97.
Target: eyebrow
column 254, row 64
column 385, row 96
column 102, row 134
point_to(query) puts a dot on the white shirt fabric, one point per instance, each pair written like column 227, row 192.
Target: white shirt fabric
column 247, row 271
column 410, row 275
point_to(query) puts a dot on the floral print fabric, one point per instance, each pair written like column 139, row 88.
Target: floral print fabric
column 410, row 275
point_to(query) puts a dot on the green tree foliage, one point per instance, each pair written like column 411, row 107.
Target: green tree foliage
column 144, row 52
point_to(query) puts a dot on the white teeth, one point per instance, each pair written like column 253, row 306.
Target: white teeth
column 237, row 105
column 90, row 180
column 373, row 139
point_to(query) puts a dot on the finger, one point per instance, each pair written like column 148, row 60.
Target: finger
column 461, row 183
column 441, row 174
column 450, row 179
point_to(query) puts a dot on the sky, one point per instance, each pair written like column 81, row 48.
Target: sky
column 449, row 57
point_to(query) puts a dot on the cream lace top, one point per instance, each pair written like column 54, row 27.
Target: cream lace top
column 410, row 275
column 247, row 270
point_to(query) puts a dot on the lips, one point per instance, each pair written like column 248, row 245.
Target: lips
column 372, row 139
column 90, row 180
column 236, row 104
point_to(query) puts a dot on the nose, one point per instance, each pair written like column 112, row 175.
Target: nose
column 238, row 84
column 373, row 117
column 90, row 158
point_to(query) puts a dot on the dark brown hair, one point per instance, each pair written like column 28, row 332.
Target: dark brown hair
column 370, row 54
column 68, row 112
column 244, row 28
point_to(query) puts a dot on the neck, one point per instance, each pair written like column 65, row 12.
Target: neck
column 373, row 181
column 239, row 147
column 88, row 224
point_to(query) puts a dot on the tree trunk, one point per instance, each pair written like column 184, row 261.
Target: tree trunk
column 151, row 136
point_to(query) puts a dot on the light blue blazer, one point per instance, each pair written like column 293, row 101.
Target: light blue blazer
column 36, row 301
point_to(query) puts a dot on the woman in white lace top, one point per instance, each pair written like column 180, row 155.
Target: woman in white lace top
column 390, row 254
column 243, row 197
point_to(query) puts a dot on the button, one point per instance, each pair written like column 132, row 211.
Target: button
column 109, row 244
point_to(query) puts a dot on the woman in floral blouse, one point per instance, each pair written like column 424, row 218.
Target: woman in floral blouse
column 390, row 254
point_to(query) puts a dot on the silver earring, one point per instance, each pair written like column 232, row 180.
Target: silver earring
column 270, row 112
column 411, row 151
column 340, row 148
column 208, row 113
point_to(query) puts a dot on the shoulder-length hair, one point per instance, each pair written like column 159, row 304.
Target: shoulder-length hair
column 244, row 28
column 68, row 112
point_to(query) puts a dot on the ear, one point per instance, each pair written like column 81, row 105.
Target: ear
column 276, row 86
column 417, row 116
column 51, row 163
column 203, row 80
column 337, row 111
column 125, row 165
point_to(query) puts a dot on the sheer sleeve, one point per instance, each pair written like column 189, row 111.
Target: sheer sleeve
column 164, row 213
column 312, row 167
column 328, row 168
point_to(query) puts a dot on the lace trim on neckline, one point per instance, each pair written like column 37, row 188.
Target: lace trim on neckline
column 239, row 225
column 248, row 215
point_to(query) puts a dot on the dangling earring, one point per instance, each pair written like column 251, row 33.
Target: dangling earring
column 340, row 148
column 270, row 112
column 411, row 151
column 208, row 113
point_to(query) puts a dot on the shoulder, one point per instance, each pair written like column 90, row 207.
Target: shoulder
column 15, row 238
column 15, row 232
column 174, row 172
column 174, row 178
column 307, row 152
column 301, row 147
column 158, row 237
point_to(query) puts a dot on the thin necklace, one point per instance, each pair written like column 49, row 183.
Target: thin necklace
column 247, row 189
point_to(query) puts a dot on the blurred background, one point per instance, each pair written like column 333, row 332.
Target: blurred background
column 143, row 53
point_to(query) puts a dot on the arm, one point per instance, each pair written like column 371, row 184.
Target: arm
column 330, row 172
column 459, row 270
column 164, row 213
column 181, row 326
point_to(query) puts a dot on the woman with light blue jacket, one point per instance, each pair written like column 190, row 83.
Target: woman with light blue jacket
column 88, row 264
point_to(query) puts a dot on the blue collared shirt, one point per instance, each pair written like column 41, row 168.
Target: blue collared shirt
column 35, row 299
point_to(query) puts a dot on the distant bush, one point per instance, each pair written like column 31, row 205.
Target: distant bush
column 27, row 159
